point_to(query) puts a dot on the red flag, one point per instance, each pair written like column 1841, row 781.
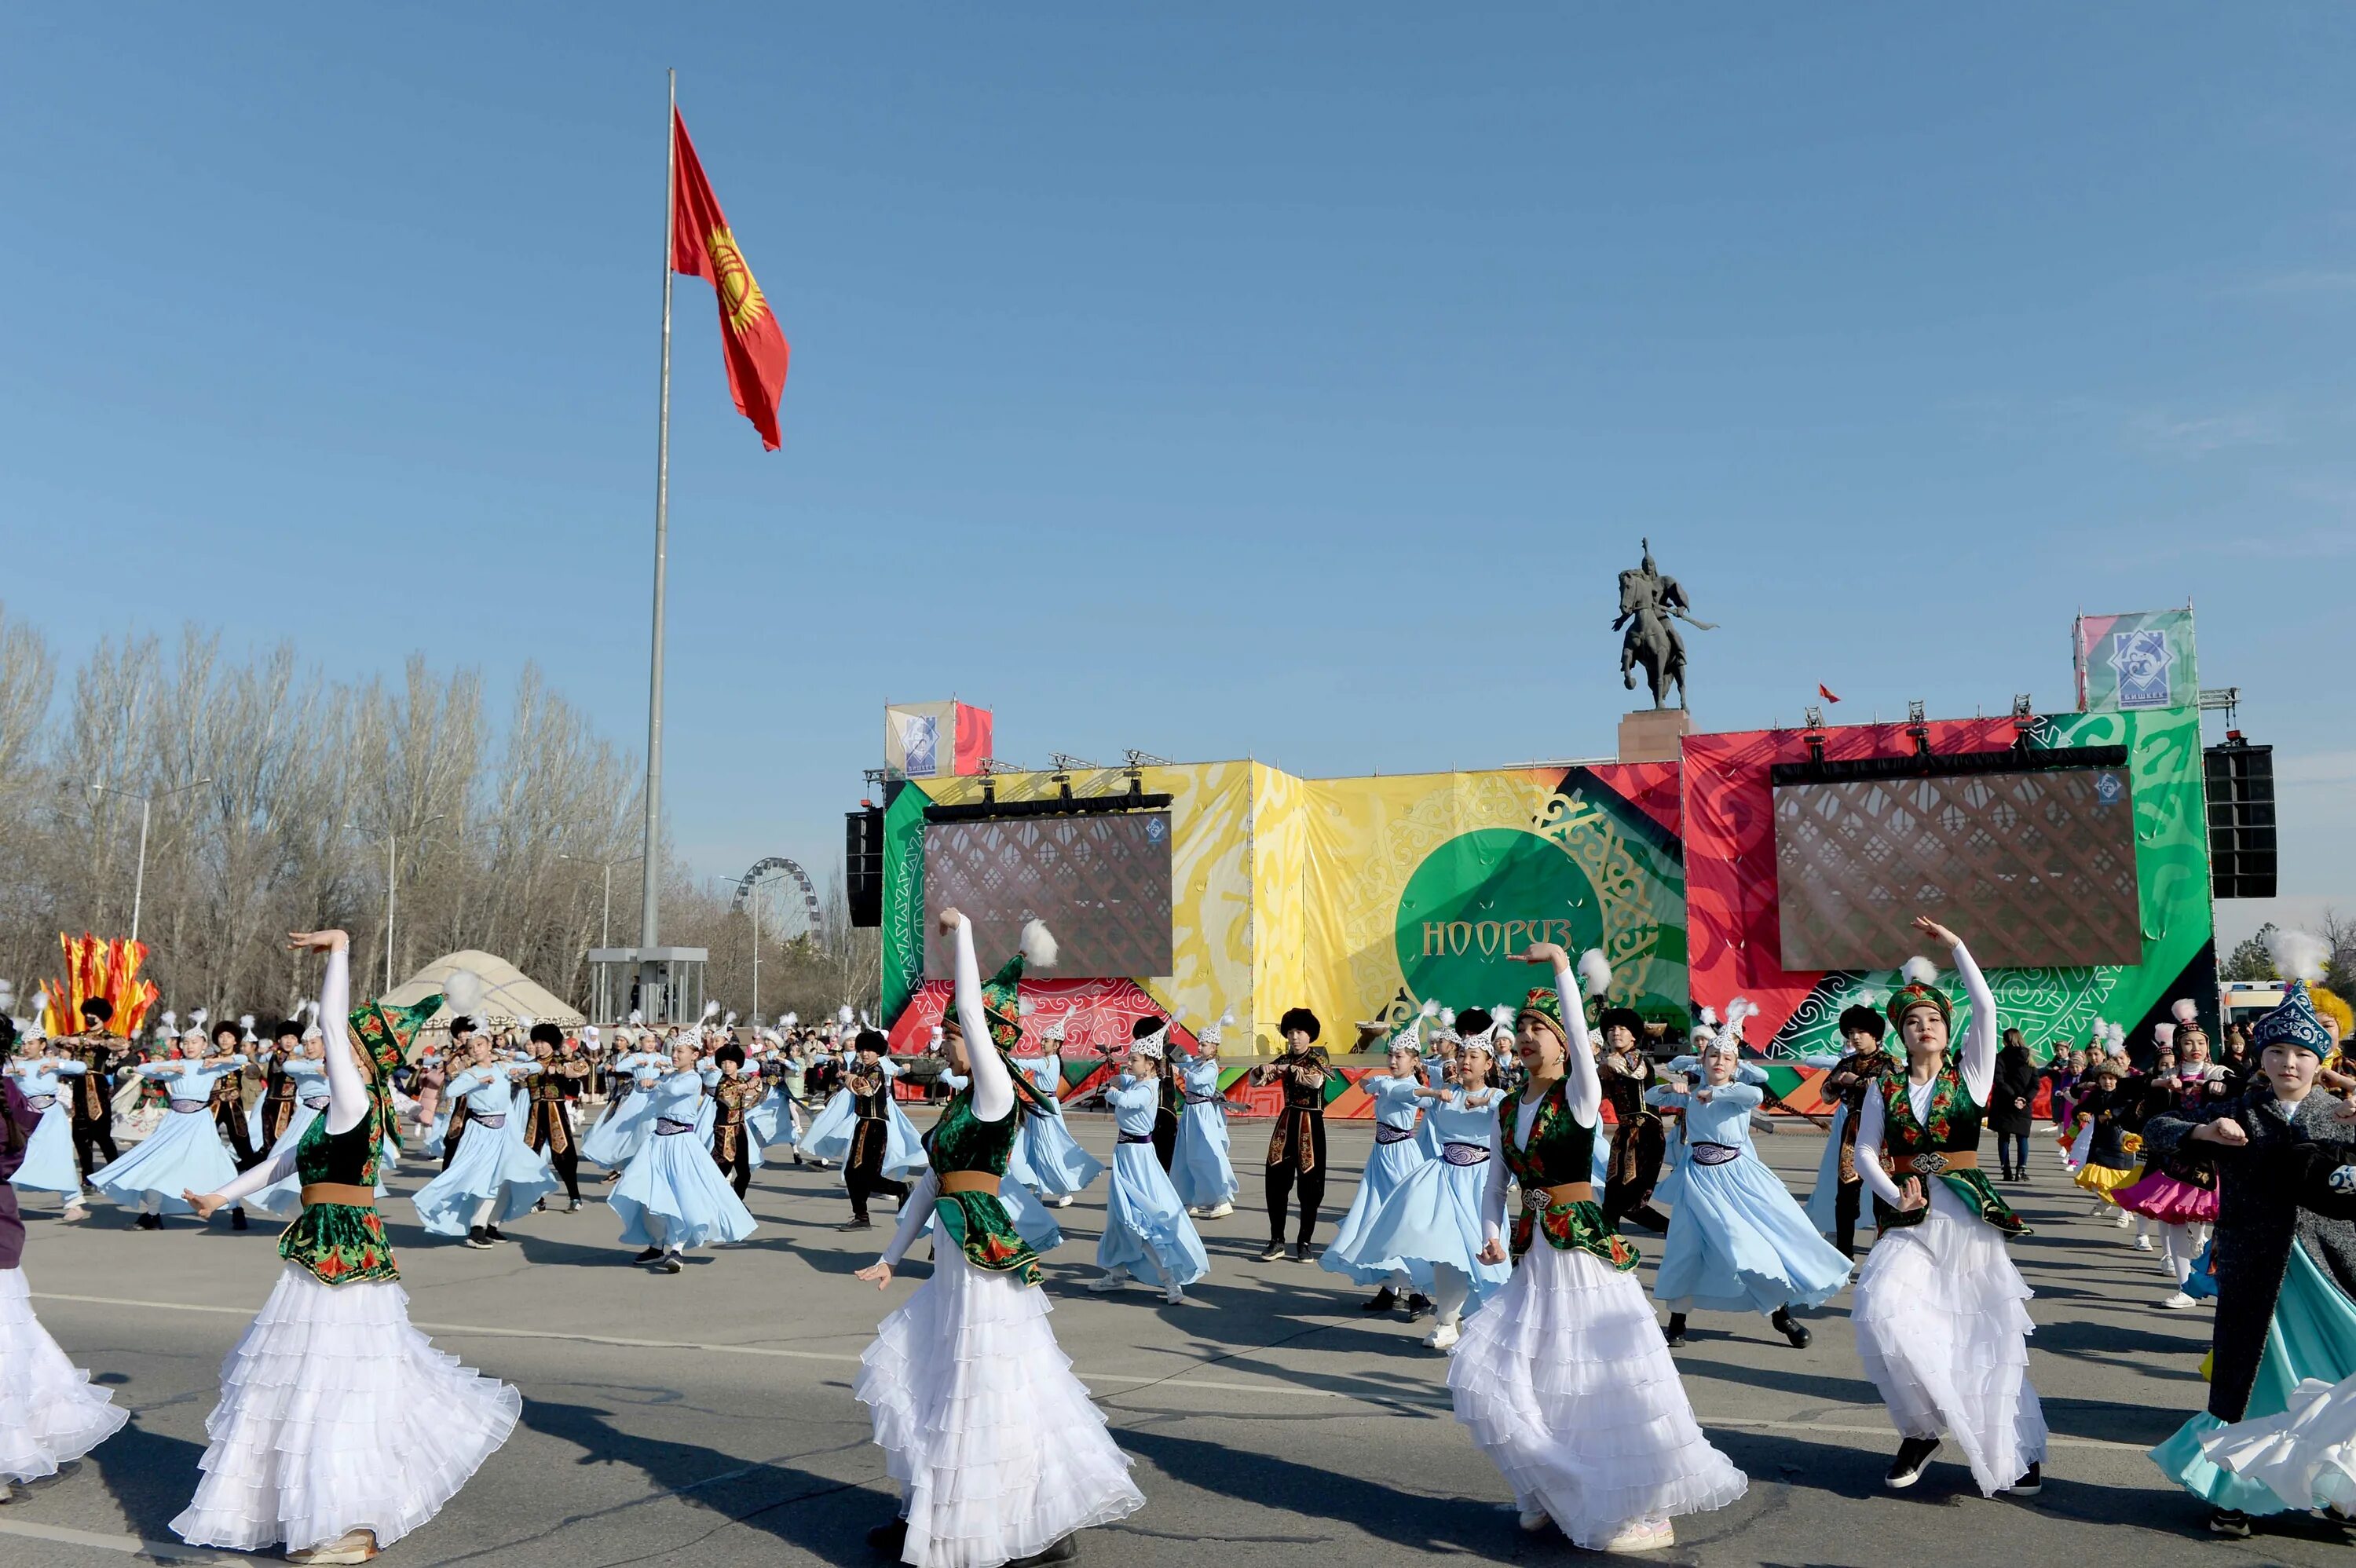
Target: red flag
column 1825, row 692
column 701, row 246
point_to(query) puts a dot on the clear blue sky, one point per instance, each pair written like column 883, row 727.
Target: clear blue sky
column 1211, row 384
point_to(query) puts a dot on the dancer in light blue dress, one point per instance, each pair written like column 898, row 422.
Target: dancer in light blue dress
column 629, row 1122
column 1147, row 1232
column 283, row 1199
column 1046, row 1158
column 1201, row 1170
column 49, row 1165
column 1675, row 1146
column 1398, row 1097
column 184, row 1154
column 672, row 1196
column 1431, row 1228
column 832, row 1130
column 494, row 1176
column 1738, row 1242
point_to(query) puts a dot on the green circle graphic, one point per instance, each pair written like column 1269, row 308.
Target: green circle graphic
column 1481, row 897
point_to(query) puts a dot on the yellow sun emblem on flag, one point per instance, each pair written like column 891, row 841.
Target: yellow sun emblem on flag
column 740, row 296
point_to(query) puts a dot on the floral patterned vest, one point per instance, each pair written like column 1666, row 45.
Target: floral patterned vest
column 1953, row 1125
column 1560, row 1152
column 340, row 1243
column 977, row 1222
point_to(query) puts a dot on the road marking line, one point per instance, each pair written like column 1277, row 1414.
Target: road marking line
column 128, row 1545
column 2054, row 1439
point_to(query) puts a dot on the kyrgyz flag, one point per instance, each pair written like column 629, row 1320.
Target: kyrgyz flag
column 700, row 245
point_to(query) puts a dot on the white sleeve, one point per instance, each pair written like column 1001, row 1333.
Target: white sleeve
column 993, row 1090
column 1584, row 1092
column 1869, row 1151
column 275, row 1169
column 1979, row 1046
column 913, row 1215
column 1493, row 1197
column 347, row 1096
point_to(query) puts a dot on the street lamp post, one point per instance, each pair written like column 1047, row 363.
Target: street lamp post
column 146, row 807
column 391, row 876
column 605, row 916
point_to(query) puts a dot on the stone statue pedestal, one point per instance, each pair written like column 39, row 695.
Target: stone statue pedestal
column 1652, row 734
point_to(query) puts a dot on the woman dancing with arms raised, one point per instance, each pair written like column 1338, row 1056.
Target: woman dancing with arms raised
column 999, row 1453
column 1941, row 1321
column 1564, row 1379
column 340, row 1428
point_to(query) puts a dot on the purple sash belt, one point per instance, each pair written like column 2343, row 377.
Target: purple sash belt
column 493, row 1122
column 1715, row 1154
column 190, row 1108
column 1464, row 1154
column 40, row 1102
column 1389, row 1135
column 1136, row 1138
column 667, row 1127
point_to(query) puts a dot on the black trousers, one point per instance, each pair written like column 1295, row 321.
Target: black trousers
column 92, row 1138
column 566, row 1160
column 1846, row 1197
column 1286, row 1177
column 230, row 1120
column 864, row 1172
column 1165, row 1138
column 738, row 1169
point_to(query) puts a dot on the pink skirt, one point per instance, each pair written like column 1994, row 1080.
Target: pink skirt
column 2172, row 1203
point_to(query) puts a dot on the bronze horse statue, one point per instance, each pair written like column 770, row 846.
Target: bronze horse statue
column 1648, row 600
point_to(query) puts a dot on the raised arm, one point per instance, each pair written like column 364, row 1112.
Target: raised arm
column 1980, row 1044
column 1583, row 1090
column 993, row 1090
column 347, row 1096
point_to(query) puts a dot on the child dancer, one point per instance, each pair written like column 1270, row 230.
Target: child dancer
column 2180, row 1197
column 1205, row 1176
column 46, row 1163
column 671, row 1195
column 184, row 1153
column 492, row 1175
column 1737, row 1240
column 1564, row 1380
column 49, row 1414
column 1430, row 1228
column 1940, row 1324
column 1147, row 1232
column 1398, row 1097
column 1047, row 1159
column 1000, row 1455
column 340, row 1428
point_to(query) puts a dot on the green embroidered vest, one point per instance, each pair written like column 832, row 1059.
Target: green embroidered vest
column 339, row 1242
column 1559, row 1153
column 977, row 1222
column 1952, row 1126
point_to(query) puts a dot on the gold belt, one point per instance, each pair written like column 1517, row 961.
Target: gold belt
column 1568, row 1192
column 968, row 1181
column 1934, row 1162
column 351, row 1196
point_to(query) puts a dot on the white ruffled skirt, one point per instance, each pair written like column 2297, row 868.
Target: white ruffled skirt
column 2306, row 1455
column 336, row 1415
column 49, row 1414
column 996, row 1447
column 1942, row 1328
column 1568, row 1386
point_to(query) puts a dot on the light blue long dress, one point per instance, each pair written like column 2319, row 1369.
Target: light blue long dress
column 1434, row 1217
column 625, row 1127
column 1046, row 1158
column 48, row 1154
column 1201, row 1170
column 1822, row 1213
column 492, row 1161
column 1675, row 1146
column 184, row 1153
column 829, row 1133
column 1395, row 1156
column 1146, row 1233
column 283, row 1199
column 1738, row 1240
column 672, row 1195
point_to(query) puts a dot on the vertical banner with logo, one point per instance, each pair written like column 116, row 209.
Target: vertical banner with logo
column 2137, row 662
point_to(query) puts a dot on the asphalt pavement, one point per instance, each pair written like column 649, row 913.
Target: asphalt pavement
column 707, row 1417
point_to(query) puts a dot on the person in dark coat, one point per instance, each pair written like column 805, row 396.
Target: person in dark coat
column 2009, row 1105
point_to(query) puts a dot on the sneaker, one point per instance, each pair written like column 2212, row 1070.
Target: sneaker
column 1675, row 1334
column 1795, row 1332
column 1065, row 1201
column 1218, row 1212
column 1913, row 1457
column 1299, row 1254
column 1642, row 1535
column 76, row 1212
column 889, row 1540
column 670, row 1264
column 1419, row 1304
column 358, row 1546
column 1384, row 1300
column 474, row 1238
column 1106, row 1284
column 1534, row 1520
column 1275, row 1251
column 151, row 1221
column 2127, row 1221
column 1173, row 1295
column 2179, row 1302
column 1443, row 1336
column 1065, row 1551
column 2231, row 1522
column 573, row 1207
column 493, row 1233
column 856, row 1225
column 2031, row 1482
column 2143, row 1244
column 7, row 1492
column 540, row 1205
column 649, row 1255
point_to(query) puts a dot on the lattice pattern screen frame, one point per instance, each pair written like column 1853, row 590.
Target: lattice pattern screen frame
column 1101, row 883
column 2038, row 864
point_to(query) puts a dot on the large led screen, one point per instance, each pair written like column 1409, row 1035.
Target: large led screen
column 1101, row 883
column 2033, row 867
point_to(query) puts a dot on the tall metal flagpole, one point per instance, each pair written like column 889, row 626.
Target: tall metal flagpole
column 650, row 869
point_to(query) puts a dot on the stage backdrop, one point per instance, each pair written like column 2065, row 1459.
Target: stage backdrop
column 1730, row 868
column 1359, row 898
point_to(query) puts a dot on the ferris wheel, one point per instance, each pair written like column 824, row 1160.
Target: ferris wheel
column 779, row 894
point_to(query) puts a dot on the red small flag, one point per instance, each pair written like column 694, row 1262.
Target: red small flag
column 1825, row 692
column 701, row 246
